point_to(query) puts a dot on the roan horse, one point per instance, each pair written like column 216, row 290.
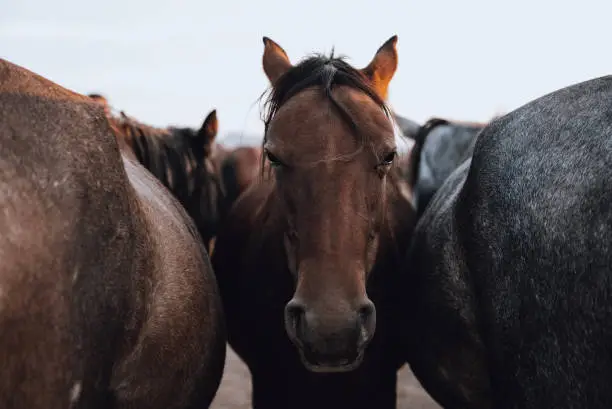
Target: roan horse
column 185, row 160
column 510, row 291
column 312, row 254
column 107, row 297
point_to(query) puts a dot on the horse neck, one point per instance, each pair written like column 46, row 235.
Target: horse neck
column 169, row 164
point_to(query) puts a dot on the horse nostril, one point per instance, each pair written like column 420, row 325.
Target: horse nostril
column 366, row 311
column 367, row 319
column 294, row 314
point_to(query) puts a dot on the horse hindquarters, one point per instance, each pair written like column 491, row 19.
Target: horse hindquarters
column 36, row 351
column 178, row 354
column 178, row 359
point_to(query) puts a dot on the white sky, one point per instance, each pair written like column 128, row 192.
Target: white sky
column 171, row 62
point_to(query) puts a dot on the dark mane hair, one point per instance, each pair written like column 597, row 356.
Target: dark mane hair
column 168, row 153
column 419, row 140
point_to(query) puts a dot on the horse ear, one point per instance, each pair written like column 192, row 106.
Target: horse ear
column 382, row 67
column 275, row 60
column 207, row 133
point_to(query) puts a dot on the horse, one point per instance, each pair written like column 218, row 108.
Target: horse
column 107, row 296
column 203, row 174
column 186, row 161
column 509, row 292
column 440, row 146
column 240, row 168
column 308, row 259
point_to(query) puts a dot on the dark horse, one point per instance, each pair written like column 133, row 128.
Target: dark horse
column 205, row 176
column 107, row 297
column 308, row 261
column 185, row 160
column 440, row 146
column 239, row 168
column 510, row 293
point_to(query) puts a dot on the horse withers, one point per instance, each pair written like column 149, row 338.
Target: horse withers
column 308, row 260
column 510, row 271
column 107, row 297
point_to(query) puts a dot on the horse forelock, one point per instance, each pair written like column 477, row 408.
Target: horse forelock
column 326, row 73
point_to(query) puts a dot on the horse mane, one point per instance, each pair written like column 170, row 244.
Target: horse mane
column 165, row 152
column 419, row 142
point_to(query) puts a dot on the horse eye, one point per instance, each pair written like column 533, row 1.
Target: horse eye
column 388, row 159
column 274, row 161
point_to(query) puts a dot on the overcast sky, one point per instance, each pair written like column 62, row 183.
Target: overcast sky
column 171, row 62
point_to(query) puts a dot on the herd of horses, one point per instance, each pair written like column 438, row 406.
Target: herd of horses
column 131, row 254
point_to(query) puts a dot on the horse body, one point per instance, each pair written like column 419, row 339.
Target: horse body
column 440, row 146
column 240, row 168
column 108, row 299
column 510, row 267
column 185, row 161
column 307, row 261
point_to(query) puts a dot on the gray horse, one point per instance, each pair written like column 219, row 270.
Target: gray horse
column 510, row 269
column 440, row 146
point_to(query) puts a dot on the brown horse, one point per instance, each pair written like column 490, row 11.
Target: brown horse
column 239, row 169
column 205, row 176
column 186, row 161
column 107, row 297
column 308, row 260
